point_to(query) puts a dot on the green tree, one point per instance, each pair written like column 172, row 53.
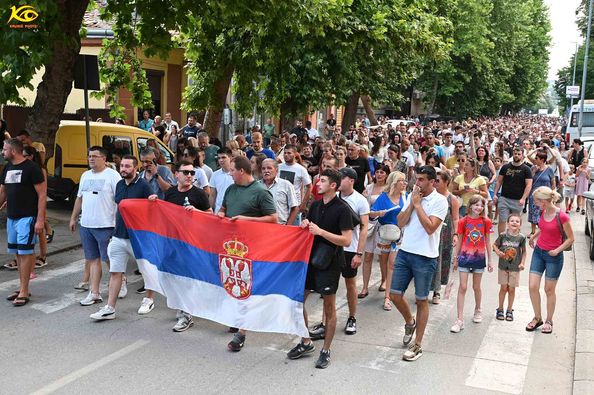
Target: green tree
column 53, row 45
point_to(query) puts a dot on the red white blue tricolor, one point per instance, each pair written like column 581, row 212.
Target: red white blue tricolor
column 242, row 274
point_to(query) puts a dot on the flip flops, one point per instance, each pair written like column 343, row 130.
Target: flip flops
column 12, row 265
column 547, row 328
column 362, row 295
column 40, row 262
column 14, row 295
column 20, row 301
column 532, row 325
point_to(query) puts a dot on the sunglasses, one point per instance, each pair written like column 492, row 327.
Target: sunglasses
column 188, row 172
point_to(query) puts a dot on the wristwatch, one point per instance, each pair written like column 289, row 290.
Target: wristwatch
column 359, row 253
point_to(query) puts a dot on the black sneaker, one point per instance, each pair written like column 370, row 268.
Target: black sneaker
column 236, row 344
column 323, row 360
column 351, row 326
column 141, row 290
column 300, row 350
column 318, row 332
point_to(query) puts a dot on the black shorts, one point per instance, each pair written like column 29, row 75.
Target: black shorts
column 347, row 270
column 324, row 282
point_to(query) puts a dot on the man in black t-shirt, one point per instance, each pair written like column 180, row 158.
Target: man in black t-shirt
column 515, row 181
column 23, row 188
column 330, row 221
column 360, row 165
column 193, row 199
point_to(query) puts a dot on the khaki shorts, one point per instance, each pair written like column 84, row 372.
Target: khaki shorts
column 509, row 278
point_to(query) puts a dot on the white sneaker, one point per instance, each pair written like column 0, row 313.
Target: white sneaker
column 457, row 327
column 478, row 317
column 105, row 313
column 91, row 299
column 146, row 306
column 82, row 286
column 123, row 290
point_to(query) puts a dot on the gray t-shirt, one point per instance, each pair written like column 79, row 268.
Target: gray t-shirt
column 512, row 247
column 252, row 200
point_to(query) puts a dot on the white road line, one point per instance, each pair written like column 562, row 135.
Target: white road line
column 69, row 378
column 72, row 267
column 504, row 351
column 68, row 299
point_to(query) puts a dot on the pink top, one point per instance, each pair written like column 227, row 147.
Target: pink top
column 550, row 233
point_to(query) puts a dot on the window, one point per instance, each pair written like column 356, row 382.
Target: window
column 141, row 143
column 118, row 144
column 588, row 119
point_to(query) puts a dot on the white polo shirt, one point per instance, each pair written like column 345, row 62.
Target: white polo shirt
column 415, row 239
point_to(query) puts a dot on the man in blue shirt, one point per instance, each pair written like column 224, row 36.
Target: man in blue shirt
column 119, row 250
column 258, row 146
column 159, row 177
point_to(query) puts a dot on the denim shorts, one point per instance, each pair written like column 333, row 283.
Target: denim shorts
column 471, row 270
column 412, row 266
column 94, row 242
column 21, row 235
column 542, row 262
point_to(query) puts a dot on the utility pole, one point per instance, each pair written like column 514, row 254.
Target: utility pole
column 574, row 69
column 582, row 93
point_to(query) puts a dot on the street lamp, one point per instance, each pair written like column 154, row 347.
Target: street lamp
column 574, row 69
column 582, row 93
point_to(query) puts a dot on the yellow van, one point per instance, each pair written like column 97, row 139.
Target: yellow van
column 69, row 160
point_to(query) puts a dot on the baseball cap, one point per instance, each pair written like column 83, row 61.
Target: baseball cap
column 348, row 172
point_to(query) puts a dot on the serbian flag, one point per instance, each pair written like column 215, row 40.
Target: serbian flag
column 242, row 274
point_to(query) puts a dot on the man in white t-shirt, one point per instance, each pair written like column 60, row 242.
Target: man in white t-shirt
column 221, row 179
column 296, row 175
column 421, row 219
column 96, row 199
column 168, row 122
column 353, row 254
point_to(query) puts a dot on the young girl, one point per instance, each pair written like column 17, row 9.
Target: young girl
column 569, row 189
column 471, row 253
column 510, row 247
column 582, row 176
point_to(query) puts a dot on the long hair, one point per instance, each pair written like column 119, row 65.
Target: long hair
column 393, row 178
column 475, row 199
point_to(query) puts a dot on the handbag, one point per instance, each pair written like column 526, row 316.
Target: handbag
column 371, row 228
column 322, row 255
column 563, row 235
column 390, row 232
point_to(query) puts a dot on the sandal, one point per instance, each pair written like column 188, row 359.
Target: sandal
column 12, row 265
column 509, row 315
column 387, row 304
column 14, row 295
column 381, row 289
column 50, row 237
column 499, row 315
column 547, row 327
column 362, row 295
column 40, row 262
column 532, row 325
column 20, row 301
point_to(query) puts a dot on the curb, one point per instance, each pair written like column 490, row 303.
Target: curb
column 583, row 376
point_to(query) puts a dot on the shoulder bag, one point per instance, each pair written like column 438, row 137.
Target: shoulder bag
column 563, row 235
column 322, row 255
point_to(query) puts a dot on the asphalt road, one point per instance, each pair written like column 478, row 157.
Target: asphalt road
column 51, row 345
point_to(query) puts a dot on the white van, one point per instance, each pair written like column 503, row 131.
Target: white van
column 588, row 124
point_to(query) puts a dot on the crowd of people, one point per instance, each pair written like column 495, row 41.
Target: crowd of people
column 423, row 198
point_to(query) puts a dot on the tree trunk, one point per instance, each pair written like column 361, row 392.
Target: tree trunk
column 350, row 111
column 433, row 96
column 368, row 109
column 287, row 115
column 214, row 113
column 56, row 83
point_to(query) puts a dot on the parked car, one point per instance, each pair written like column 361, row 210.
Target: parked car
column 589, row 227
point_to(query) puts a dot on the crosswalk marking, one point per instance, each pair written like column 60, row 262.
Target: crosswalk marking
column 70, row 268
column 502, row 359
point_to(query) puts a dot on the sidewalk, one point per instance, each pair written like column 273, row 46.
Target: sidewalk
column 583, row 376
column 63, row 239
